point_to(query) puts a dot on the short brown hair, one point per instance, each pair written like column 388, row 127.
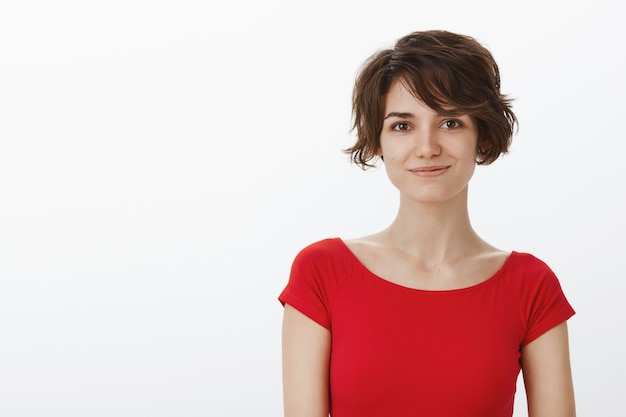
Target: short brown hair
column 442, row 69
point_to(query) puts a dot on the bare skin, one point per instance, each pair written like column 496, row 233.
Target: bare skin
column 408, row 255
column 306, row 356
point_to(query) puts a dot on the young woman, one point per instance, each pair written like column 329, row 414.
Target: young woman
column 425, row 318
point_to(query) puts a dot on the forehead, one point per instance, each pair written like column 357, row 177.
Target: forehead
column 400, row 98
column 399, row 95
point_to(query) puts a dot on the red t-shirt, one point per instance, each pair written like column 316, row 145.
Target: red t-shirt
column 398, row 351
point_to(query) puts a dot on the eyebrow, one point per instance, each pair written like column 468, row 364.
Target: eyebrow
column 400, row 115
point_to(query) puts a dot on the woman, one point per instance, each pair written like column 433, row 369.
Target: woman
column 425, row 318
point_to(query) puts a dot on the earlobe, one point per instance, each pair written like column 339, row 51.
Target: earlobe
column 484, row 145
column 482, row 149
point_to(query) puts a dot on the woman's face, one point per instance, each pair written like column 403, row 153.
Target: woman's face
column 428, row 156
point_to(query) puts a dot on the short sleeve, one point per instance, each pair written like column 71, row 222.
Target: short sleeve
column 545, row 303
column 313, row 280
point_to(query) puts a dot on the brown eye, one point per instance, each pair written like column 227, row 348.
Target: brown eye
column 401, row 126
column 451, row 124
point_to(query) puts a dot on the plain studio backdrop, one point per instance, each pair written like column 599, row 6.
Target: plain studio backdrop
column 162, row 162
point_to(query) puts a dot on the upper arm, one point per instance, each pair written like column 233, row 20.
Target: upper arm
column 548, row 376
column 306, row 359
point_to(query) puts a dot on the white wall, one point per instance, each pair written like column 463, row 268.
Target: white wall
column 161, row 162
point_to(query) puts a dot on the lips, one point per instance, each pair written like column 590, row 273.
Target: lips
column 430, row 171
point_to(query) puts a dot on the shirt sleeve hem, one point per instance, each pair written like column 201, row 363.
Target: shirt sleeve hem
column 539, row 331
column 289, row 298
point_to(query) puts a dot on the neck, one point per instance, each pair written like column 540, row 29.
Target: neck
column 434, row 232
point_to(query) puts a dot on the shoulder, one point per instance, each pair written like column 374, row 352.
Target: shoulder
column 367, row 247
column 326, row 246
column 322, row 249
column 317, row 273
column 540, row 296
column 532, row 278
column 323, row 254
column 528, row 267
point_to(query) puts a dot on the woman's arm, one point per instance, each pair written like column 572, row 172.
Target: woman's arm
column 548, row 376
column 306, row 355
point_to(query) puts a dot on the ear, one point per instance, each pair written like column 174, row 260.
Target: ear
column 483, row 147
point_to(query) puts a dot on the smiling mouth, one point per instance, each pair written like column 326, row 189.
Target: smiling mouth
column 429, row 172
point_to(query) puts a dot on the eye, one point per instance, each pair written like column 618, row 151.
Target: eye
column 401, row 126
column 451, row 124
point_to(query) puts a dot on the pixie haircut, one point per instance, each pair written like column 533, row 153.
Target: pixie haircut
column 451, row 73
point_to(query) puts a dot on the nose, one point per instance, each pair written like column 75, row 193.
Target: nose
column 426, row 143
